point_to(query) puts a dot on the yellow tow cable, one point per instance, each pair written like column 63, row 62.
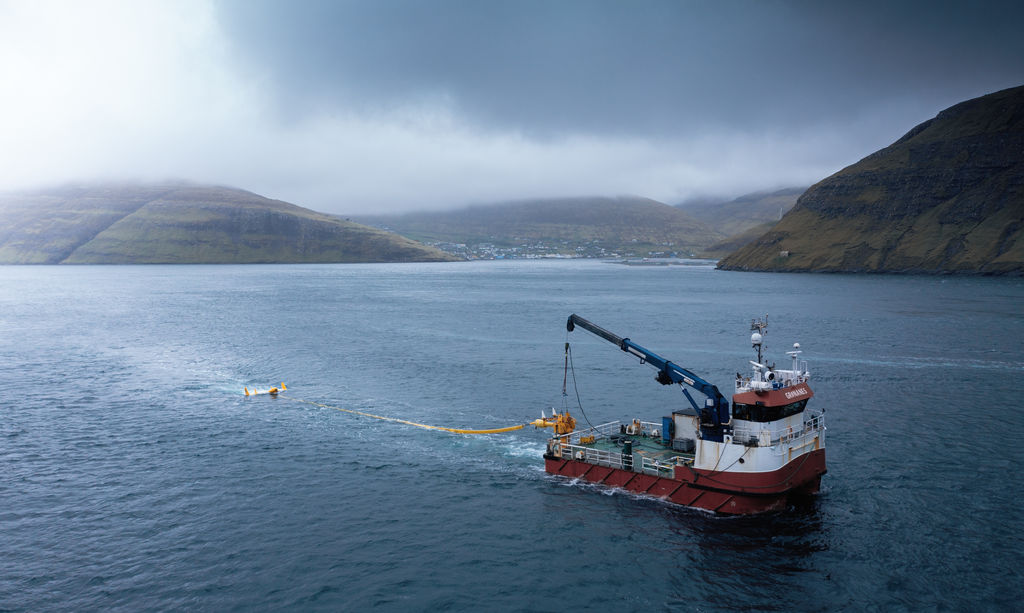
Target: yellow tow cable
column 403, row 421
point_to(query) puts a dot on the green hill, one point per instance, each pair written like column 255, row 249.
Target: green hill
column 184, row 224
column 734, row 242
column 948, row 197
column 736, row 217
column 573, row 225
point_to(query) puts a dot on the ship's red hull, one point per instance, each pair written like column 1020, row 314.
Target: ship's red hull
column 732, row 493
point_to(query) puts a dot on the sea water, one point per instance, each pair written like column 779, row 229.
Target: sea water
column 135, row 475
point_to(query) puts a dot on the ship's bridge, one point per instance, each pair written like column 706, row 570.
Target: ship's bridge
column 765, row 378
column 771, row 394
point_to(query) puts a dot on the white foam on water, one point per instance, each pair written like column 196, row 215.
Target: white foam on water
column 522, row 448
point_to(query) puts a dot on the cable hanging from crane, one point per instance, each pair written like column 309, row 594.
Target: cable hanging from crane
column 565, row 396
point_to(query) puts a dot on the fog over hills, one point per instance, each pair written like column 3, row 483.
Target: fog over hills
column 737, row 216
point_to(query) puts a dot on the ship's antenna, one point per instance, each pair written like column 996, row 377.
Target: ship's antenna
column 758, row 327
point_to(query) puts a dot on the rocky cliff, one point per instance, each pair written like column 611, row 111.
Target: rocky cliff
column 948, row 197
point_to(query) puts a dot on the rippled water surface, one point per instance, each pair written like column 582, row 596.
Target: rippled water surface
column 135, row 475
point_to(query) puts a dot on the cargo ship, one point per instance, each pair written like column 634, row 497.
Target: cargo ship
column 762, row 452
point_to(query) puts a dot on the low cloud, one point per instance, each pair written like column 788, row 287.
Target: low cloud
column 371, row 107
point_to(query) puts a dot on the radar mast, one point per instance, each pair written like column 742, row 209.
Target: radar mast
column 758, row 327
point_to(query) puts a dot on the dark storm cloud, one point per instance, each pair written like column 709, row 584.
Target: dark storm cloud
column 377, row 105
column 651, row 69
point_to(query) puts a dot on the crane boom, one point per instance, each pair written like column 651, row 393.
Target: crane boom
column 715, row 418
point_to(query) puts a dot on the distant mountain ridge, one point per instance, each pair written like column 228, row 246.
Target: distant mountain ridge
column 947, row 197
column 737, row 216
column 180, row 223
column 625, row 223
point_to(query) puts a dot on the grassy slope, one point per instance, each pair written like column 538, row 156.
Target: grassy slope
column 610, row 221
column 47, row 227
column 732, row 243
column 181, row 224
column 947, row 197
column 736, row 217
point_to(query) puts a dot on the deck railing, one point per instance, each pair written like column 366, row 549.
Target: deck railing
column 605, row 430
column 612, row 459
column 616, row 459
column 814, row 424
column 666, row 467
column 602, row 431
column 571, row 447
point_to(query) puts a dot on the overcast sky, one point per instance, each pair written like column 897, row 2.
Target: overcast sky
column 380, row 106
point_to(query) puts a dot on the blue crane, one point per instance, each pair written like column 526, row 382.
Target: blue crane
column 715, row 420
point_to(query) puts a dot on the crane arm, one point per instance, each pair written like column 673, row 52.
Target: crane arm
column 715, row 412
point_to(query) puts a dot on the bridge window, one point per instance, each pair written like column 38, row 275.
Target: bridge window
column 761, row 413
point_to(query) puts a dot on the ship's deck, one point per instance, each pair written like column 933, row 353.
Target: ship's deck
column 646, row 446
column 648, row 454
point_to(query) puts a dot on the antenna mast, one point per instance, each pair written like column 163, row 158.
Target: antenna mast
column 758, row 327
